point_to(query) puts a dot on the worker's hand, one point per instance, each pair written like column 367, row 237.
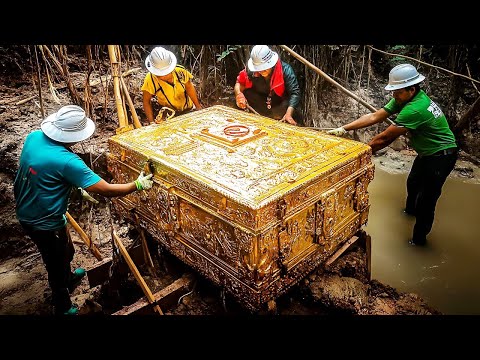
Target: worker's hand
column 87, row 196
column 143, row 182
column 165, row 113
column 337, row 132
column 241, row 100
column 288, row 119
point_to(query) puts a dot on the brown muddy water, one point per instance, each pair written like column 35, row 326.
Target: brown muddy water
column 446, row 272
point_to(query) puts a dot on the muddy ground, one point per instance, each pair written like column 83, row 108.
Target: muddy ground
column 343, row 288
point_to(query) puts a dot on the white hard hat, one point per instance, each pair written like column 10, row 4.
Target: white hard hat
column 68, row 125
column 402, row 76
column 262, row 58
column 161, row 61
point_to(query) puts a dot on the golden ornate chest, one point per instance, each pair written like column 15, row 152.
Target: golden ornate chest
column 251, row 203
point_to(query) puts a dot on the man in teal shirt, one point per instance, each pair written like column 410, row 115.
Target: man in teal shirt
column 47, row 172
column 430, row 136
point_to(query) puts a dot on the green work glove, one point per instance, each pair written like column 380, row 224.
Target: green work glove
column 143, row 182
column 337, row 132
column 87, row 196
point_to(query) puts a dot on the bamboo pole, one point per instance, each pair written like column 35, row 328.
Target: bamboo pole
column 85, row 238
column 328, row 78
column 136, row 122
column 146, row 290
column 122, row 119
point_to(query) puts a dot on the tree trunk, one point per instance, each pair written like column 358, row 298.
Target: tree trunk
column 470, row 115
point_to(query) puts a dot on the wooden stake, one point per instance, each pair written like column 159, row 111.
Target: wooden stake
column 122, row 119
column 146, row 253
column 168, row 296
column 146, row 290
column 341, row 250
column 136, row 122
column 368, row 254
column 86, row 239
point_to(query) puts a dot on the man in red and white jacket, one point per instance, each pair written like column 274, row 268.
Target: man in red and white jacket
column 269, row 86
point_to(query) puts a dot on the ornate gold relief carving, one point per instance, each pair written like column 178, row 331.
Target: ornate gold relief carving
column 251, row 203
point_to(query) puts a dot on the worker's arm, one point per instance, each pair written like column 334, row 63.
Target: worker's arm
column 367, row 120
column 293, row 90
column 106, row 189
column 361, row 122
column 192, row 93
column 238, row 88
column 240, row 99
column 147, row 106
column 386, row 137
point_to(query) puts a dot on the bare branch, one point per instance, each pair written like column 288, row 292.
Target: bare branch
column 424, row 63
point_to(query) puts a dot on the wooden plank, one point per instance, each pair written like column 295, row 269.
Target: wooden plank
column 91, row 246
column 166, row 297
column 365, row 242
column 341, row 250
column 99, row 272
column 146, row 290
column 146, row 253
column 368, row 251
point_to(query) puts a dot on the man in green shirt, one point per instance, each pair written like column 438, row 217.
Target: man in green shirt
column 47, row 172
column 430, row 136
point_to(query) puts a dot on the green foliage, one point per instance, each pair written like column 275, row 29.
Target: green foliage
column 230, row 49
column 400, row 50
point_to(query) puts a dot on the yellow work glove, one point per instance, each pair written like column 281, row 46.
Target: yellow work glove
column 87, row 196
column 337, row 132
column 143, row 182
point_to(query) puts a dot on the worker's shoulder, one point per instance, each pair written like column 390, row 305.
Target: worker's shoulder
column 35, row 133
column 181, row 69
column 287, row 68
column 183, row 73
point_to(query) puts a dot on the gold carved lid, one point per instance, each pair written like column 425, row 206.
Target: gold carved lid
column 246, row 157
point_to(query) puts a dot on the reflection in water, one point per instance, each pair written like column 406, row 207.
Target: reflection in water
column 446, row 272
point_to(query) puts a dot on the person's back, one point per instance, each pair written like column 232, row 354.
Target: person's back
column 427, row 124
column 47, row 172
column 44, row 181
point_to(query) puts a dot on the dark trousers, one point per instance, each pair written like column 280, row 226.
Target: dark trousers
column 424, row 186
column 57, row 251
column 258, row 101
